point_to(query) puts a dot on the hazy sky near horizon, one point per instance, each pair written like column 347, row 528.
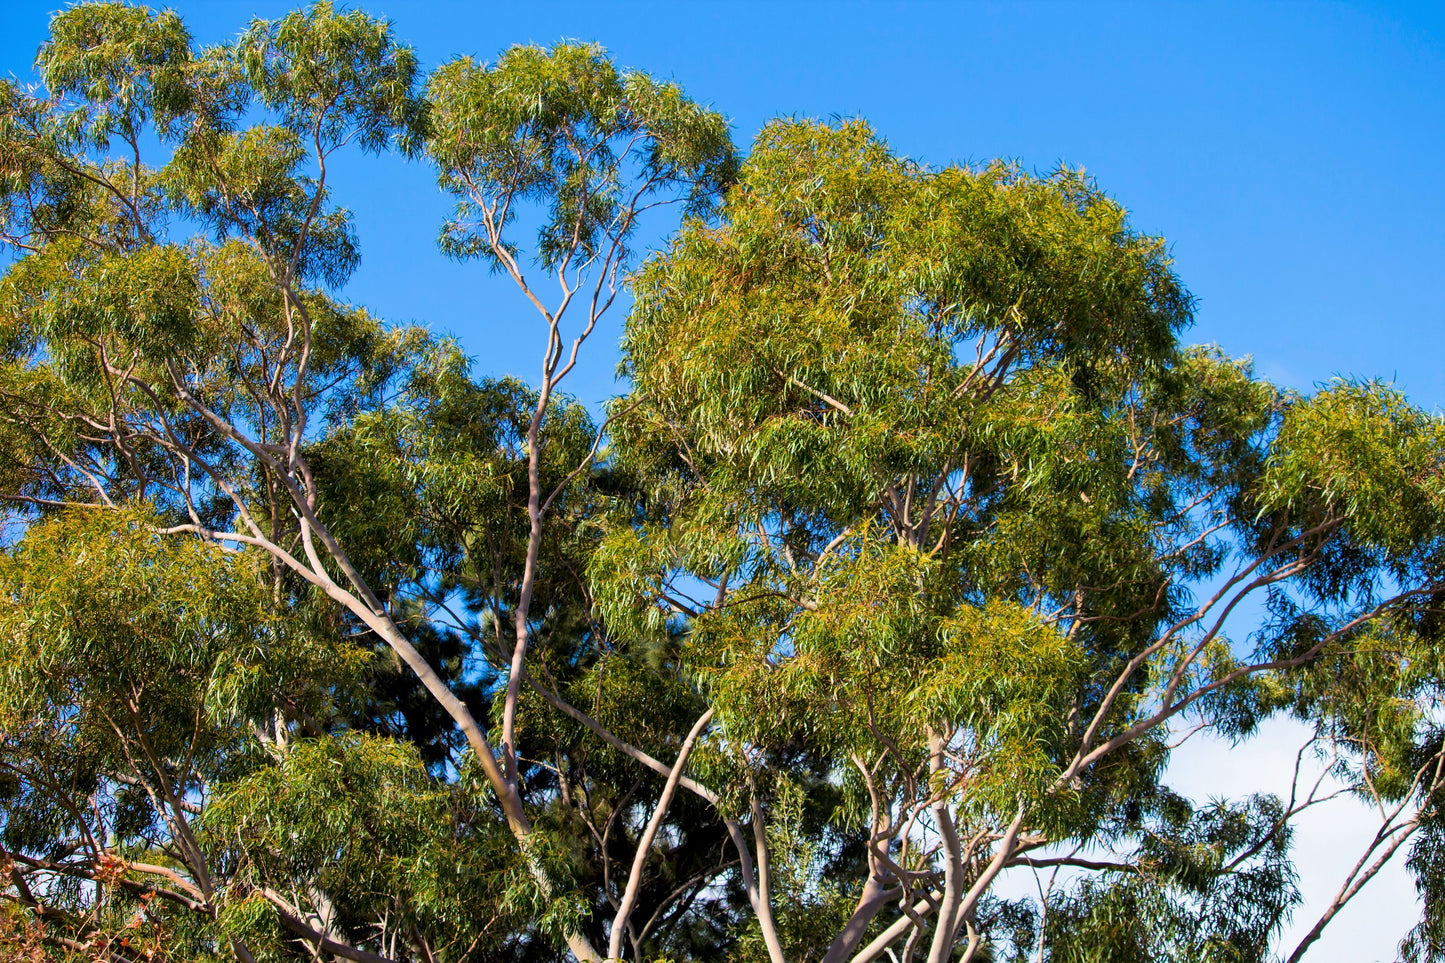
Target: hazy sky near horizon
column 1290, row 152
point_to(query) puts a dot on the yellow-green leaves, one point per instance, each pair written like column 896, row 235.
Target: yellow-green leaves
column 1008, row 680
column 359, row 819
column 917, row 510
column 853, row 313
column 117, row 310
column 566, row 130
column 252, row 184
column 879, row 654
column 133, row 667
column 1361, row 453
column 103, row 616
column 334, row 76
column 125, row 63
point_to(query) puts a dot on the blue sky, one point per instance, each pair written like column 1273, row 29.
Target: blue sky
column 1290, row 153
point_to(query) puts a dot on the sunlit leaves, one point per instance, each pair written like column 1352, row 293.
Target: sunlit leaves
column 564, row 128
column 125, row 63
column 917, row 503
column 930, row 436
column 132, row 668
column 1362, row 452
column 102, row 610
column 334, row 76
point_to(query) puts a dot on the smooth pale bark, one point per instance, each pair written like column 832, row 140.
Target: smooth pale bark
column 986, row 878
column 644, row 845
column 321, row 941
column 755, row 881
column 922, row 909
column 942, row 947
column 872, row 899
column 1353, row 886
column 366, row 607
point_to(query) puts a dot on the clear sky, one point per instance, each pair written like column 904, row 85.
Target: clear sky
column 1291, row 153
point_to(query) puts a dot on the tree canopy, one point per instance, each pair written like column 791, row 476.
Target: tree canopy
column 919, row 539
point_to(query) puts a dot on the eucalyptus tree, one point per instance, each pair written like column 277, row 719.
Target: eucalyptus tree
column 962, row 535
column 218, row 380
column 917, row 539
column 127, row 660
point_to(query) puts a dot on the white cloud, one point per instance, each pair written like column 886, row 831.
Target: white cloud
column 1328, row 839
